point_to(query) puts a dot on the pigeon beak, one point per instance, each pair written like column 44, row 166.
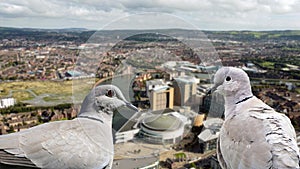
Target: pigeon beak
column 211, row 90
column 131, row 106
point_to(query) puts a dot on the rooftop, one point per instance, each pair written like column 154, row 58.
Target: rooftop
column 162, row 122
column 186, row 79
column 74, row 73
column 160, row 88
column 155, row 82
column 213, row 123
column 208, row 135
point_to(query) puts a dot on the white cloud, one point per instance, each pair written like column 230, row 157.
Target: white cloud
column 281, row 6
column 206, row 14
column 12, row 9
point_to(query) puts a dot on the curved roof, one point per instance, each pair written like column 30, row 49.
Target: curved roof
column 213, row 123
column 162, row 122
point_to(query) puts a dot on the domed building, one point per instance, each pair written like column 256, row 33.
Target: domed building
column 162, row 129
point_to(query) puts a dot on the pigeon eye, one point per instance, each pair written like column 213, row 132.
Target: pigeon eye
column 110, row 93
column 228, row 78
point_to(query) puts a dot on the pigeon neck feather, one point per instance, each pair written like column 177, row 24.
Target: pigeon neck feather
column 231, row 101
column 230, row 106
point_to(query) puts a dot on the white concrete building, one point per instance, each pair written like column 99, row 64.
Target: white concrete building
column 162, row 129
column 7, row 102
column 154, row 85
column 208, row 137
column 185, row 88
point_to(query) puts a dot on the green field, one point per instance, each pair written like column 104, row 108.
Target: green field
column 269, row 65
column 21, row 89
column 48, row 91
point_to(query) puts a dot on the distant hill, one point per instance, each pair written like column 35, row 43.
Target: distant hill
column 82, row 34
column 44, row 30
column 256, row 35
column 68, row 34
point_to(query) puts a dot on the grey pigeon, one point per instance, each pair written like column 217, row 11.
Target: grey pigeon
column 253, row 135
column 84, row 142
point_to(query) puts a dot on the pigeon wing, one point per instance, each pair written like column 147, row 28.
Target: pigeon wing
column 220, row 156
column 280, row 135
column 243, row 144
column 9, row 159
column 257, row 138
column 62, row 144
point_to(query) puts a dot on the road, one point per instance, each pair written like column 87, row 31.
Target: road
column 38, row 100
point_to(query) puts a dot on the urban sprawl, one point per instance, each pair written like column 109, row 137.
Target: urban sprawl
column 168, row 80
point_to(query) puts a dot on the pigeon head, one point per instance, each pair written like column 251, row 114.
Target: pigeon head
column 103, row 100
column 231, row 81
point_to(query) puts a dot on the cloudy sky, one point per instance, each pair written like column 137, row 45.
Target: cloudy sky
column 134, row 14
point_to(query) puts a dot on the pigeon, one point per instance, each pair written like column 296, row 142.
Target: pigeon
column 84, row 142
column 253, row 135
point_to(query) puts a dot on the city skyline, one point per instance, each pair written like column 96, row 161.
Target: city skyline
column 202, row 14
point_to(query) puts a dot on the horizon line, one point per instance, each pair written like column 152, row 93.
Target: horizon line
column 132, row 29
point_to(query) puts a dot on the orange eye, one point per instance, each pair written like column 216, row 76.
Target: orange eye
column 110, row 93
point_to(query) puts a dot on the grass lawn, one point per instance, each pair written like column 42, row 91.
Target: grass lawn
column 298, row 90
column 22, row 95
column 258, row 34
column 26, row 90
column 269, row 65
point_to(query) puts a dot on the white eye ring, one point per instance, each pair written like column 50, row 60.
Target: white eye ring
column 228, row 78
column 110, row 93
